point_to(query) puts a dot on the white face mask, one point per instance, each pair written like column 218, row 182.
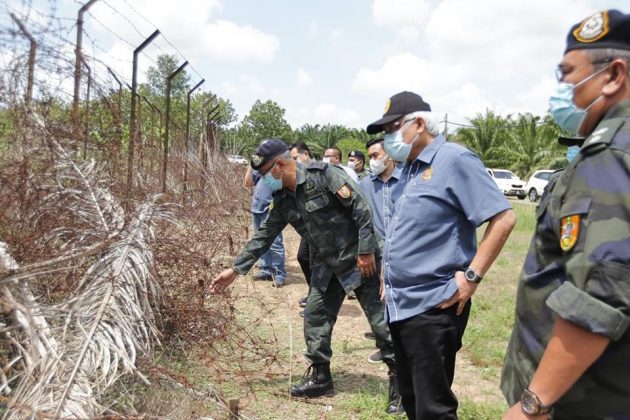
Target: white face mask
column 326, row 160
column 352, row 164
column 377, row 166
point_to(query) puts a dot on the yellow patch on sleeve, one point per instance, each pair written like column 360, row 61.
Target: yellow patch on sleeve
column 344, row 192
column 569, row 232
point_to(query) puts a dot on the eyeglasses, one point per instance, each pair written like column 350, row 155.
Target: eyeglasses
column 561, row 71
column 392, row 128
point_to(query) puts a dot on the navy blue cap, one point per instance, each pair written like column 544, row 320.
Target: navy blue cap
column 357, row 154
column 398, row 106
column 606, row 29
column 266, row 151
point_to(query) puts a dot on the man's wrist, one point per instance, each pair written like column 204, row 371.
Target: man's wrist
column 531, row 404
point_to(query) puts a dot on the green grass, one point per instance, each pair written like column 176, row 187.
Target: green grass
column 492, row 314
column 361, row 390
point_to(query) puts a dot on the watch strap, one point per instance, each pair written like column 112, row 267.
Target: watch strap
column 531, row 404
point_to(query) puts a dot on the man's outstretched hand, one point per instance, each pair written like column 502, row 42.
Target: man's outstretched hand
column 222, row 281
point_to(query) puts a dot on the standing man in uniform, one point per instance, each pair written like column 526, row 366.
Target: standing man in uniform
column 569, row 354
column 431, row 263
column 325, row 207
column 301, row 152
column 356, row 161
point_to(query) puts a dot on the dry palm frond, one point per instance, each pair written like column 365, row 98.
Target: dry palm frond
column 72, row 351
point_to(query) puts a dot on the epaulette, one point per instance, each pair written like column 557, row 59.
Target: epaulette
column 602, row 136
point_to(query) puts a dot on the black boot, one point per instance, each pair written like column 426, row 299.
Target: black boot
column 317, row 382
column 394, row 400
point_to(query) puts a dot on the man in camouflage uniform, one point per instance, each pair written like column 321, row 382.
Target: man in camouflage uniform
column 330, row 212
column 569, row 354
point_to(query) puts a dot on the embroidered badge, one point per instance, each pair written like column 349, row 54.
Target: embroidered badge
column 344, row 192
column 569, row 231
column 387, row 105
column 257, row 160
column 427, row 174
column 592, row 28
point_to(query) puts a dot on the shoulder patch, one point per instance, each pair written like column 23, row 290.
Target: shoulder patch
column 344, row 192
column 569, row 232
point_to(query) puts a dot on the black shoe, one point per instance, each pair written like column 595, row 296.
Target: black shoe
column 376, row 357
column 317, row 382
column 278, row 284
column 302, row 302
column 394, row 400
column 262, row 276
column 369, row 335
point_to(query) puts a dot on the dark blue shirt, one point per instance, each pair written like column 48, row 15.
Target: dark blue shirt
column 262, row 196
column 440, row 200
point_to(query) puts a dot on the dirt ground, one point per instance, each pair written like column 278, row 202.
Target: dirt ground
column 352, row 373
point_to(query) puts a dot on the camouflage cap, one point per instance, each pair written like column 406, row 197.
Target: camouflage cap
column 605, row 29
column 266, row 151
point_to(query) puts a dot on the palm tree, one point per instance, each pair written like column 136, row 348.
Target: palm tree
column 531, row 143
column 486, row 138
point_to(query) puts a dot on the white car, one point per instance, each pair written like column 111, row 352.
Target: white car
column 240, row 160
column 508, row 182
column 537, row 183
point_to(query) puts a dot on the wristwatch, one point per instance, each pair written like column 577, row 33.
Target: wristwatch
column 472, row 276
column 531, row 404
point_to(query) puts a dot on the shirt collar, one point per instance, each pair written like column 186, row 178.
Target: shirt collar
column 395, row 174
column 429, row 152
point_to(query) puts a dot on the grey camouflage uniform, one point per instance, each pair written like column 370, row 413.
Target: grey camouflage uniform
column 337, row 229
column 586, row 281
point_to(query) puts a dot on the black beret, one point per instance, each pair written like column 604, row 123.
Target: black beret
column 398, row 106
column 606, row 29
column 358, row 154
column 266, row 151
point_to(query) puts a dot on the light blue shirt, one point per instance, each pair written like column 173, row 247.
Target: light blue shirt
column 379, row 194
column 440, row 200
column 262, row 196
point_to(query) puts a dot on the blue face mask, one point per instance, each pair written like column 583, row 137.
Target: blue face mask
column 564, row 111
column 572, row 152
column 395, row 147
column 271, row 182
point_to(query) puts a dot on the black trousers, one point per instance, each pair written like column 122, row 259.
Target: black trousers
column 304, row 260
column 425, row 346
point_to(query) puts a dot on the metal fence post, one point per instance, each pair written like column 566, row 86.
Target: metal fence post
column 187, row 139
column 132, row 116
column 168, row 116
column 31, row 59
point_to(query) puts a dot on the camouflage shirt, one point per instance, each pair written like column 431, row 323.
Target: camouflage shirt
column 331, row 213
column 578, row 268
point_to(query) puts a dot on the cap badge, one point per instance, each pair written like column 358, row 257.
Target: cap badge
column 592, row 28
column 257, row 160
column 387, row 105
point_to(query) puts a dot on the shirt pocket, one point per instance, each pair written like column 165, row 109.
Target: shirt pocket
column 574, row 212
column 316, row 202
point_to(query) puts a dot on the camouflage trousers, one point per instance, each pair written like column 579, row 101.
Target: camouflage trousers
column 321, row 312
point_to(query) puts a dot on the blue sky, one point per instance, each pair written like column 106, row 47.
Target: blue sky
column 338, row 61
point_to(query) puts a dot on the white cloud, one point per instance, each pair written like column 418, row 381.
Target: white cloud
column 484, row 54
column 405, row 16
column 227, row 40
column 303, row 78
column 193, row 33
column 322, row 113
column 247, row 85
